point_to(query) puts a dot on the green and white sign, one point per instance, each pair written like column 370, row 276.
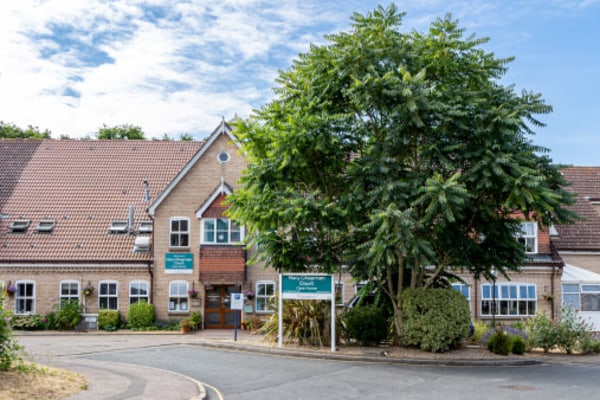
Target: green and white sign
column 307, row 286
column 179, row 263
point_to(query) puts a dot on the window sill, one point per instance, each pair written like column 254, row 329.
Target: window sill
column 221, row 244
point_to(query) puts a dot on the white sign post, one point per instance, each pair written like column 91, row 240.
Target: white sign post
column 237, row 304
column 306, row 287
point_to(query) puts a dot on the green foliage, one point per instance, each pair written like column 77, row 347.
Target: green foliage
column 500, row 343
column 68, row 316
column 367, row 324
column 481, row 329
column 398, row 153
column 196, row 318
column 109, row 320
column 542, row 332
column 12, row 131
column 186, row 323
column 434, row 320
column 164, row 325
column 140, row 315
column 573, row 332
column 10, row 350
column 518, row 345
column 28, row 322
column 125, row 131
column 306, row 322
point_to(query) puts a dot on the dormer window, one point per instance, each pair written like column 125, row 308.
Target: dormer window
column 45, row 226
column 528, row 237
column 221, row 231
column 118, row 227
column 19, row 225
column 141, row 244
column 145, row 227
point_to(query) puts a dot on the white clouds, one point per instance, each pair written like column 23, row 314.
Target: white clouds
column 173, row 67
column 76, row 65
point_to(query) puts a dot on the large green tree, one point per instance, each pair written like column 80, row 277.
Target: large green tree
column 400, row 155
column 125, row 131
column 8, row 130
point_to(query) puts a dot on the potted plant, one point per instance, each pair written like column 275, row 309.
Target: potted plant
column 186, row 325
column 196, row 320
column 88, row 290
column 193, row 293
column 249, row 294
column 11, row 289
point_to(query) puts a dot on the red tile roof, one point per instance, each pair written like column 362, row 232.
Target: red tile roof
column 84, row 186
column 583, row 235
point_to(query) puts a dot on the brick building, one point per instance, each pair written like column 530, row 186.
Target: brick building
column 144, row 220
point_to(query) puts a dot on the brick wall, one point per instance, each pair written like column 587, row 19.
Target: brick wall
column 184, row 201
column 47, row 284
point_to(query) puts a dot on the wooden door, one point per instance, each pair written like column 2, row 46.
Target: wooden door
column 217, row 311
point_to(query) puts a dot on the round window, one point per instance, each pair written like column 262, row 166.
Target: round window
column 223, row 157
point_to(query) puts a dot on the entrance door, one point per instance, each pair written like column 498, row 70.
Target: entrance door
column 217, row 312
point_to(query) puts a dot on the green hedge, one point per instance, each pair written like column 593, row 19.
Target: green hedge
column 434, row 320
column 109, row 320
column 140, row 315
column 367, row 324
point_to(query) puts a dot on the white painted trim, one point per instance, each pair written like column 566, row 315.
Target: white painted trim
column 224, row 188
column 222, row 129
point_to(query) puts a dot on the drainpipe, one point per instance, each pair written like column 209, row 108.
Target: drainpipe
column 552, row 291
column 151, row 264
column 475, row 301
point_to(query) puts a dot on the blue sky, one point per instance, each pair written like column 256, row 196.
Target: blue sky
column 179, row 66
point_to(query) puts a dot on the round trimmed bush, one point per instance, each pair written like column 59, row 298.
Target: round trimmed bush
column 109, row 320
column 367, row 324
column 140, row 315
column 434, row 320
column 518, row 346
column 499, row 343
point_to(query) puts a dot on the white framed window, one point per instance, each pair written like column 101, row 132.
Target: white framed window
column 139, row 291
column 25, row 297
column 265, row 292
column 108, row 295
column 571, row 295
column 582, row 297
column 179, row 232
column 221, row 231
column 69, row 291
column 178, row 296
column 510, row 299
column 528, row 236
column 464, row 289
